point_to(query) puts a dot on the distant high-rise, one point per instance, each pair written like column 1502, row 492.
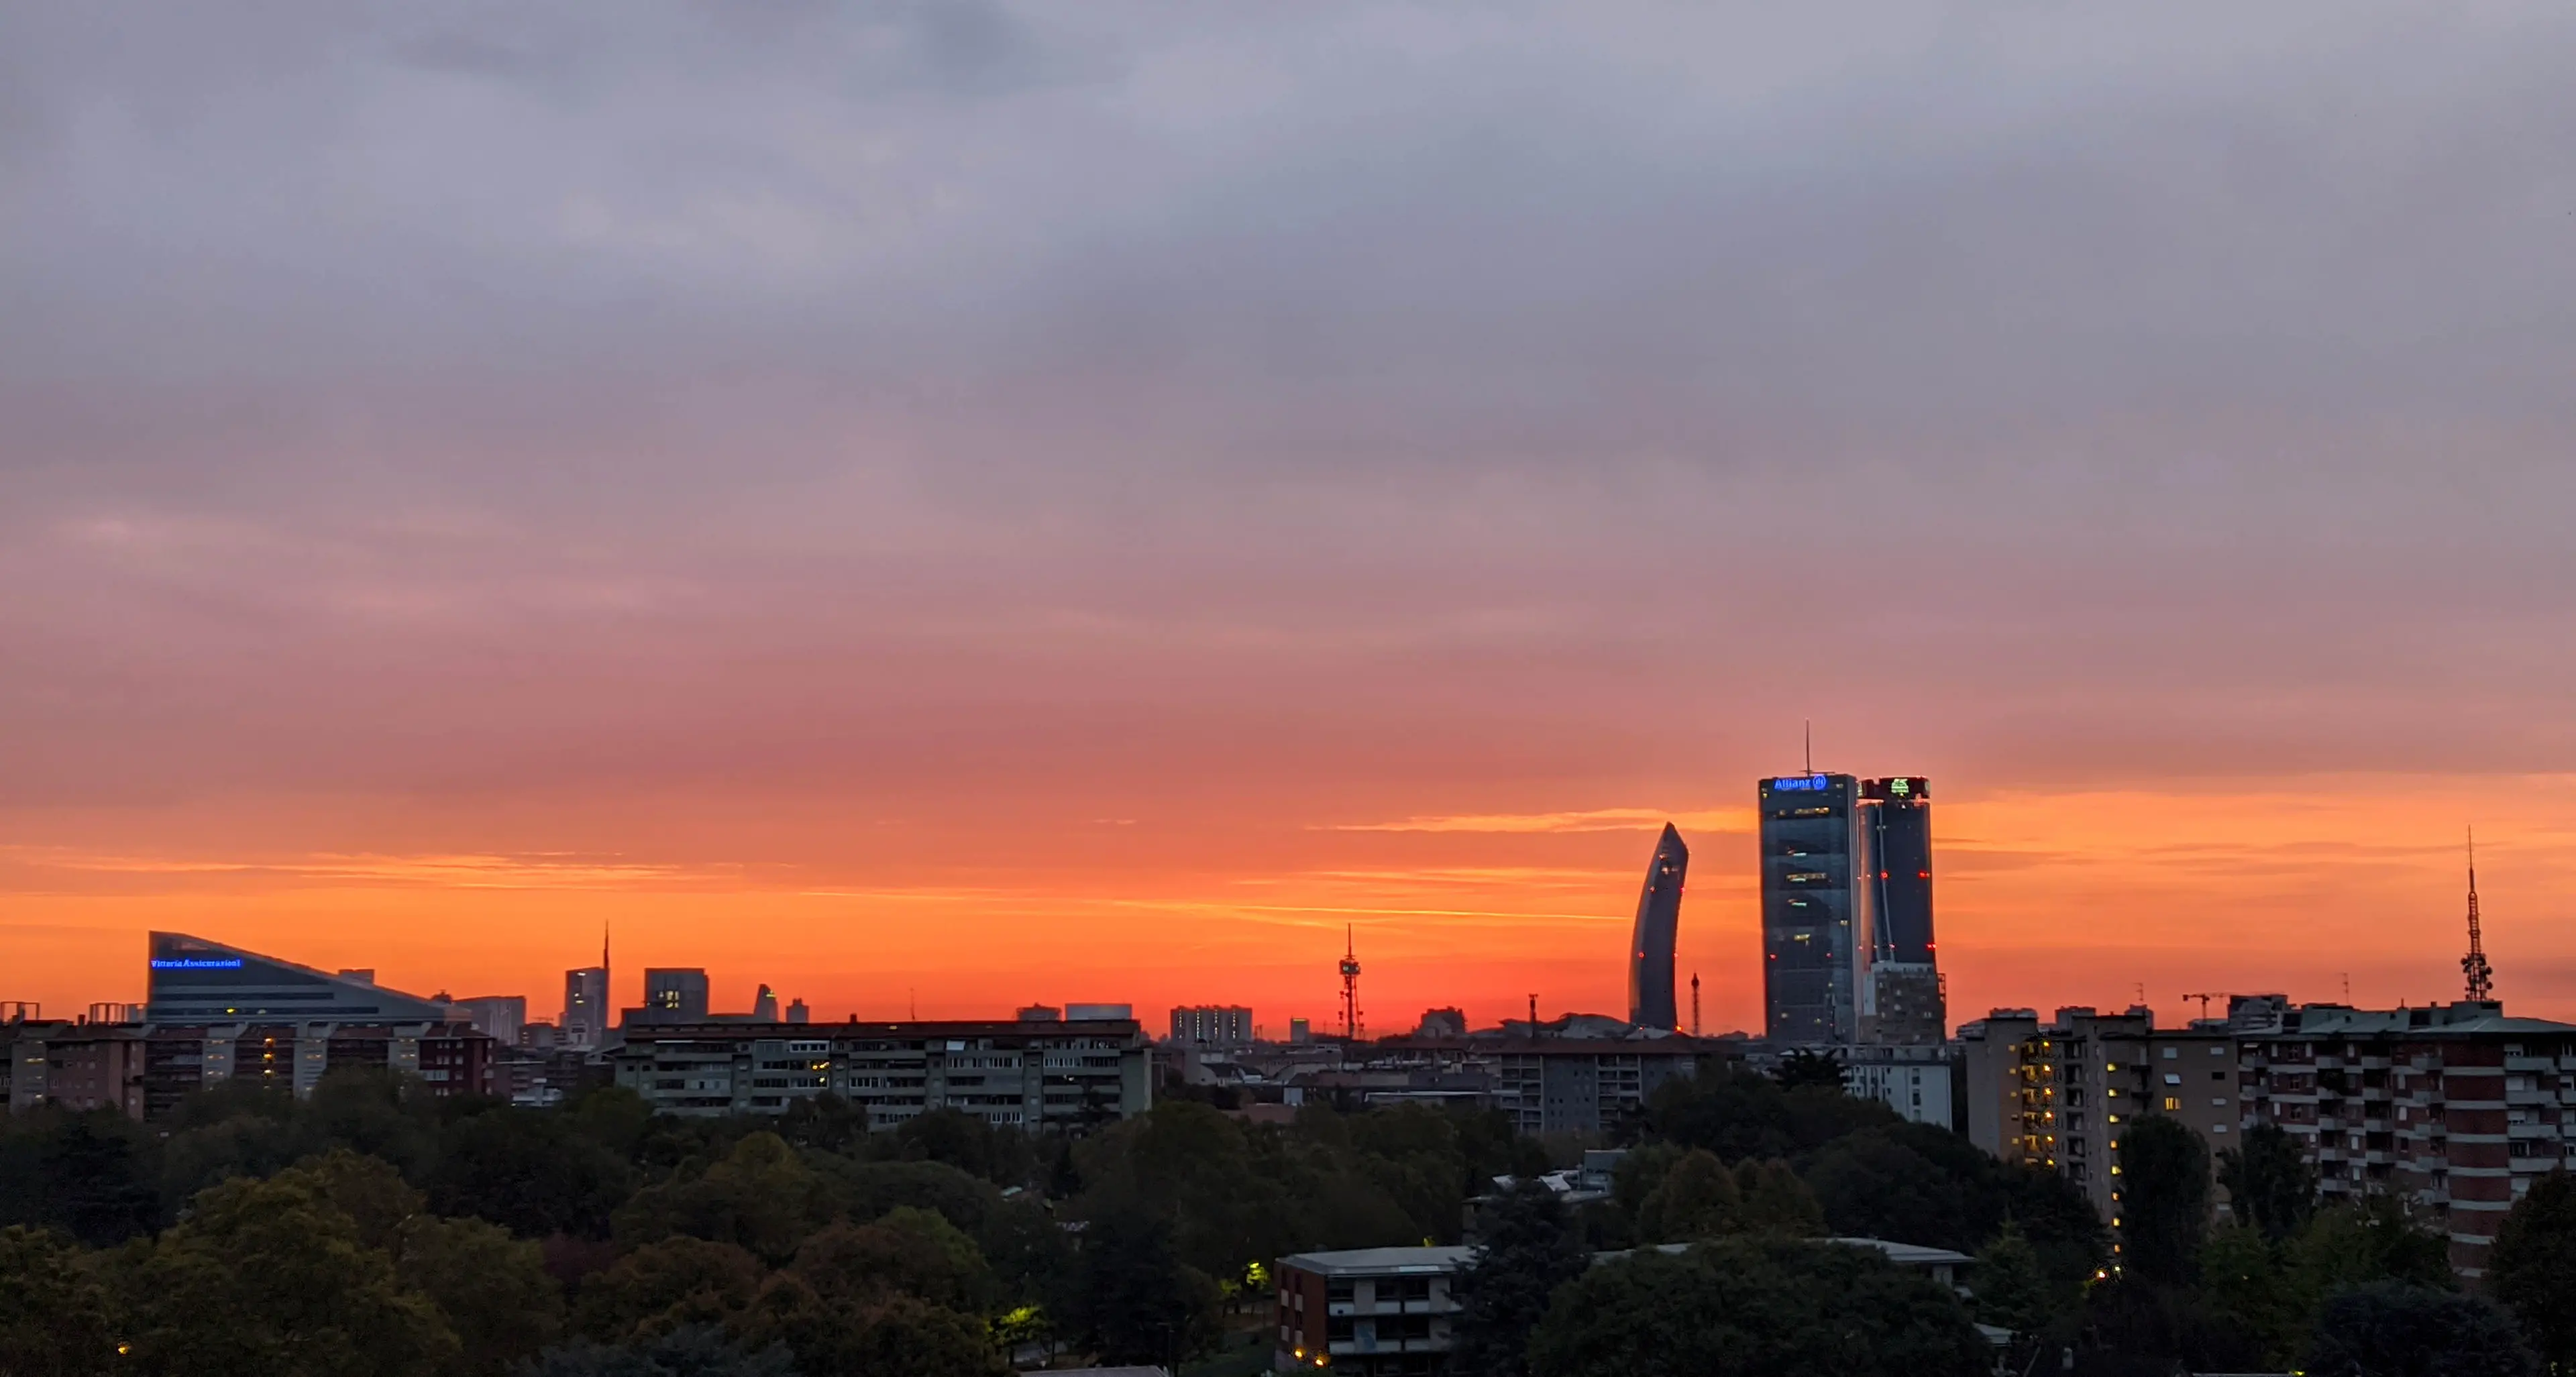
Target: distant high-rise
column 1901, row 998
column 1212, row 1025
column 764, row 1006
column 585, row 1014
column 1816, row 917
column 676, row 995
column 1650, row 944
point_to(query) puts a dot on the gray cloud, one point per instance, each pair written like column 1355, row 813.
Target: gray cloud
column 387, row 387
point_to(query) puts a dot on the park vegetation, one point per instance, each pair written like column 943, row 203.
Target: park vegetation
column 375, row 1231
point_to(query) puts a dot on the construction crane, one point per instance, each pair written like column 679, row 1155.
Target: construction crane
column 2205, row 998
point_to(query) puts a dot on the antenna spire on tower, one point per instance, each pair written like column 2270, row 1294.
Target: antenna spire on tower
column 1350, row 983
column 1810, row 736
column 2479, row 976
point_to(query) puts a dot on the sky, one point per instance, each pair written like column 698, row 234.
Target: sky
column 939, row 506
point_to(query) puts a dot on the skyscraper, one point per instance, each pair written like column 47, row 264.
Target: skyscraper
column 1901, row 999
column 675, row 994
column 1817, row 927
column 1650, row 945
column 585, row 1011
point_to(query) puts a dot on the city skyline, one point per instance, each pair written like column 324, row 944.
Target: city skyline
column 1419, row 956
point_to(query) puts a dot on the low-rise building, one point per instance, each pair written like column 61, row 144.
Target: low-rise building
column 1915, row 1081
column 1374, row 1312
column 145, row 1069
column 1019, row 1074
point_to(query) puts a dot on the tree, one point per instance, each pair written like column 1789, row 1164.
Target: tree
column 698, row 1350
column 1698, row 1198
column 271, row 1279
column 2270, row 1185
column 663, row 1287
column 898, row 1337
column 2251, row 1292
column 909, row 1252
column 1526, row 1253
column 2397, row 1329
column 2533, row 1267
column 1808, row 1069
column 2374, row 1238
column 1775, row 1201
column 2010, row 1290
column 492, row 1289
column 531, row 1172
column 1134, row 1299
column 56, row 1320
column 761, row 1197
column 1756, row 1307
column 2164, row 1190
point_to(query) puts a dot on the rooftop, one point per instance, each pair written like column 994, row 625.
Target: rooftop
column 1380, row 1261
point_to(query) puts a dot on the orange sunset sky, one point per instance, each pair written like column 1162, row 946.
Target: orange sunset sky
column 947, row 507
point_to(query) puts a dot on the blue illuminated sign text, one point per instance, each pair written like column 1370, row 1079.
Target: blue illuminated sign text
column 1799, row 782
column 196, row 963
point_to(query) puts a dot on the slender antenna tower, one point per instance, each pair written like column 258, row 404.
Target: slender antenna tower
column 1694, row 1004
column 1811, row 745
column 2480, row 976
column 1350, row 984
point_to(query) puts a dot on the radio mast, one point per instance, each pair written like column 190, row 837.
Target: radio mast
column 2480, row 976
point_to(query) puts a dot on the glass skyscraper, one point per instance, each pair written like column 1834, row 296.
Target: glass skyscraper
column 1817, row 927
column 1901, row 1001
column 1659, row 919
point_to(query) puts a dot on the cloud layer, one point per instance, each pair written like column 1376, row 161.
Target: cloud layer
column 861, row 448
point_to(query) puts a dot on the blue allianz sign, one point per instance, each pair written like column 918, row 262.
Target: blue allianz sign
column 1795, row 783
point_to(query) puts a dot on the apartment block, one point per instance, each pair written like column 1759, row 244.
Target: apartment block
column 1915, row 1081
column 2056, row 1094
column 2456, row 1107
column 1371, row 1312
column 1585, row 1085
column 145, row 1069
column 1018, row 1074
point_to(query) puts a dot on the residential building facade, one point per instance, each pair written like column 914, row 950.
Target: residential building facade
column 2056, row 1094
column 2457, row 1108
column 1017, row 1074
column 1584, row 1085
column 144, row 1070
column 1371, row 1312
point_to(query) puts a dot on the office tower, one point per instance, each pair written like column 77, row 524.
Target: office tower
column 1212, row 1025
column 1650, row 944
column 676, row 995
column 764, row 1006
column 1901, row 1001
column 500, row 1017
column 193, row 980
column 585, row 1014
column 798, row 1013
column 1816, row 917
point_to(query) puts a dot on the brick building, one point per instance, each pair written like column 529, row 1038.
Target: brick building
column 145, row 1069
column 2455, row 1107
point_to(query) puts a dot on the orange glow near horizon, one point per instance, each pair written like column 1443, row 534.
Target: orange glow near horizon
column 2044, row 899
